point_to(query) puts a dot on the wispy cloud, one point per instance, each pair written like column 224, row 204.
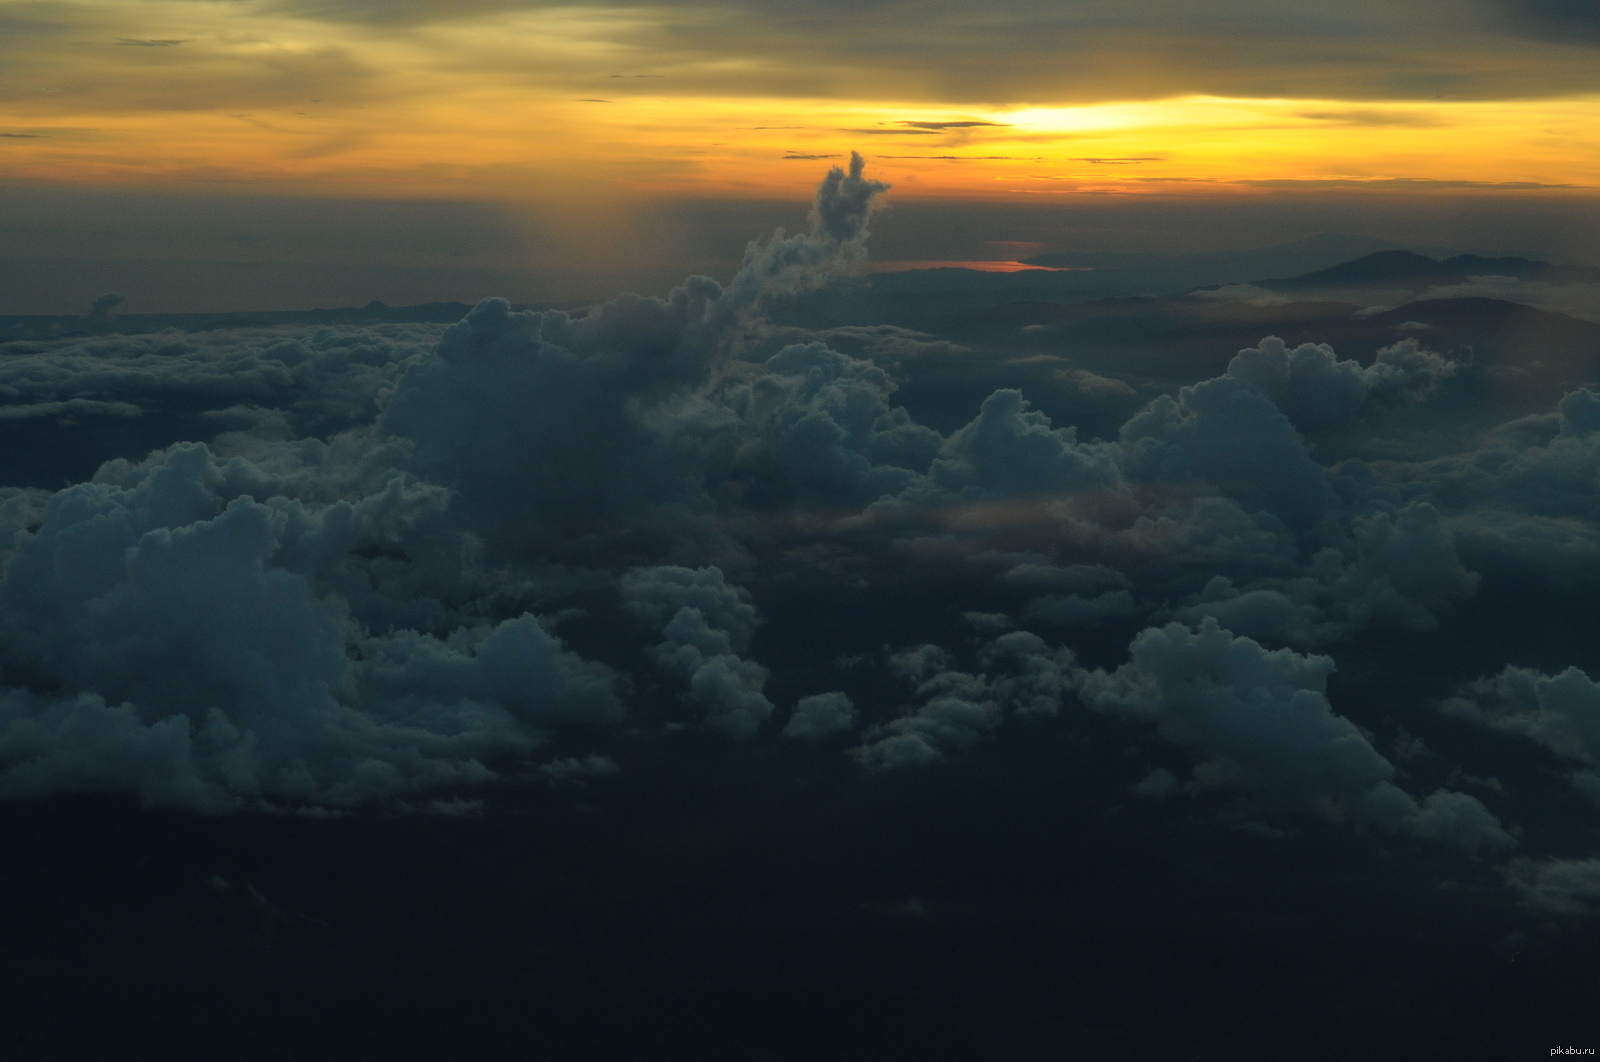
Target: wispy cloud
column 1372, row 116
column 967, row 158
column 950, row 125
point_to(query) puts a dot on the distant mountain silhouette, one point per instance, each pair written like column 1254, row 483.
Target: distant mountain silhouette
column 1408, row 269
column 1221, row 267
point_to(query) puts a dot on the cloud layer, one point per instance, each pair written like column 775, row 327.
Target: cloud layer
column 364, row 566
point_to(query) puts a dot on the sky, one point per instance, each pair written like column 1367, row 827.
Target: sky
column 565, row 532
column 572, row 134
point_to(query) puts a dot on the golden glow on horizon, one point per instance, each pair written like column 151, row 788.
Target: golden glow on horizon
column 490, row 143
column 535, row 110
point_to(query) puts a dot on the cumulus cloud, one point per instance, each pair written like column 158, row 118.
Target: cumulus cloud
column 1318, row 391
column 1396, row 569
column 352, row 592
column 103, row 307
column 309, row 623
column 1524, row 495
column 1558, row 712
column 1009, row 450
column 1261, row 719
column 571, row 770
column 1539, row 472
column 1225, row 435
column 602, row 417
column 318, row 379
column 706, row 625
column 1018, row 672
column 1557, row 886
column 820, row 715
column 195, row 654
column 816, row 428
column 957, row 709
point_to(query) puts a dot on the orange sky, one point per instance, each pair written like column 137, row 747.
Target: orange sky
column 500, row 143
column 574, row 128
column 525, row 101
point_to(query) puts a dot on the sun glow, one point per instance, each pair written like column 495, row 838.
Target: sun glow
column 490, row 141
column 568, row 102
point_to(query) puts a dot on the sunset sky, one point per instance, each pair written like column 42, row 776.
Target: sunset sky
column 796, row 530
column 573, row 125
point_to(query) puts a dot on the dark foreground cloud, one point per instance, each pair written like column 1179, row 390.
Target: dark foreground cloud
column 413, row 567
